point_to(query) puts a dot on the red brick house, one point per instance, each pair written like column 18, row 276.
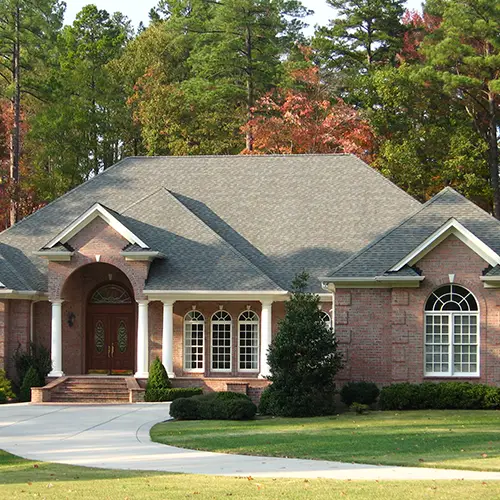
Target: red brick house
column 191, row 259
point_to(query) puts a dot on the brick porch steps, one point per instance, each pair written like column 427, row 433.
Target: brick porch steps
column 91, row 390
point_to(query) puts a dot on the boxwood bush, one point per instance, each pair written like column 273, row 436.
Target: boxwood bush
column 3, row 397
column 160, row 394
column 365, row 393
column 214, row 406
column 440, row 396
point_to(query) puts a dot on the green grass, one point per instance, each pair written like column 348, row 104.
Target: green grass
column 25, row 479
column 445, row 439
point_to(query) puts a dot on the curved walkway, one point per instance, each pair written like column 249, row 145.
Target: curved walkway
column 117, row 437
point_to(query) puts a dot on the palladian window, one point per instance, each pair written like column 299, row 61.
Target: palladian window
column 221, row 341
column 248, row 326
column 194, row 334
column 451, row 332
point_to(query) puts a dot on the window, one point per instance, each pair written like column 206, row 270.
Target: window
column 221, row 342
column 326, row 319
column 194, row 334
column 248, row 327
column 451, row 332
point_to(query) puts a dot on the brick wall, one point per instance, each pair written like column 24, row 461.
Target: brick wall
column 381, row 330
column 4, row 328
column 19, row 332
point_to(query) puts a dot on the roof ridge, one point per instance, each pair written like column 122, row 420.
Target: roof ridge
column 387, row 233
column 384, row 178
column 140, row 200
column 219, row 237
column 275, row 155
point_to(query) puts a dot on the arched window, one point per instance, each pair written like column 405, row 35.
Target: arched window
column 326, row 319
column 194, row 335
column 248, row 339
column 451, row 332
column 221, row 341
column 111, row 294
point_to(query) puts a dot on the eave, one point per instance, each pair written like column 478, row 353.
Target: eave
column 372, row 282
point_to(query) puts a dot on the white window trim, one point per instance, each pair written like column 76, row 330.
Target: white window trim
column 197, row 322
column 329, row 323
column 245, row 322
column 217, row 322
column 450, row 315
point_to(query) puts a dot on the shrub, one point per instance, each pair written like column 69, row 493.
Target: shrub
column 359, row 392
column 157, row 381
column 439, row 396
column 265, row 401
column 6, row 386
column 3, row 397
column 359, row 408
column 214, row 406
column 303, row 358
column 159, row 395
column 31, row 379
column 37, row 357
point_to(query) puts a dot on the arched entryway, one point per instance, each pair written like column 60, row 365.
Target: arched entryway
column 110, row 330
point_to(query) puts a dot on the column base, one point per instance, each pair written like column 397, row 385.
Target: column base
column 264, row 375
column 171, row 374
column 55, row 373
column 141, row 375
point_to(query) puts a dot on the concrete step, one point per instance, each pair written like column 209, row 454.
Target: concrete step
column 86, row 390
column 92, row 396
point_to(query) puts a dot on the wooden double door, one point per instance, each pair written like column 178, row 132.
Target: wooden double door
column 111, row 339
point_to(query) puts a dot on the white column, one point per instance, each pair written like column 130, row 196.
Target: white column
column 266, row 323
column 167, row 347
column 56, row 339
column 142, row 340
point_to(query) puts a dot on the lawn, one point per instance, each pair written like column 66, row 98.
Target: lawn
column 25, row 479
column 445, row 439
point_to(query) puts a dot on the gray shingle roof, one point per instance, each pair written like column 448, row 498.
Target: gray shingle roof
column 383, row 253
column 261, row 218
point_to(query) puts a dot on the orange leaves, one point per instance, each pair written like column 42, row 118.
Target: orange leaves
column 292, row 121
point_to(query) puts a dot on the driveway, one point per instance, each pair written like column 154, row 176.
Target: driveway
column 117, row 437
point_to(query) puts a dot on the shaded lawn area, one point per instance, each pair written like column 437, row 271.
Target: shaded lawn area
column 26, row 479
column 434, row 438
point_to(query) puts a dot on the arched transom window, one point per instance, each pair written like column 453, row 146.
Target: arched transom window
column 111, row 294
column 248, row 338
column 194, row 335
column 221, row 341
column 451, row 332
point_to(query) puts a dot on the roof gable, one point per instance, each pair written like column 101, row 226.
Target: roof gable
column 452, row 226
column 96, row 210
column 447, row 213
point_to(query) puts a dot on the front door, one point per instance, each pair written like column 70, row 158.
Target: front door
column 110, row 337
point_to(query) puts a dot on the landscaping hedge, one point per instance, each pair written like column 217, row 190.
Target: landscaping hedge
column 3, row 397
column 214, row 406
column 364, row 393
column 159, row 395
column 440, row 396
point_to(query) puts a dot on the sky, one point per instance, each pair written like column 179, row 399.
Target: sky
column 137, row 10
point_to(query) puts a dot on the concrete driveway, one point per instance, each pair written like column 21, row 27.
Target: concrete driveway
column 117, row 437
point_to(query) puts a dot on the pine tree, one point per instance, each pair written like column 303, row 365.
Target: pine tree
column 303, row 358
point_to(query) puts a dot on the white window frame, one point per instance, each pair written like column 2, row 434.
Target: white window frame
column 328, row 322
column 451, row 315
column 221, row 322
column 255, row 322
column 194, row 322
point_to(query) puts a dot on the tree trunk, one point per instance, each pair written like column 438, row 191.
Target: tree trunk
column 250, row 87
column 15, row 135
column 493, row 153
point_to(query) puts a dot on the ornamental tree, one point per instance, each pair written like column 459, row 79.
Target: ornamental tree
column 303, row 358
column 291, row 121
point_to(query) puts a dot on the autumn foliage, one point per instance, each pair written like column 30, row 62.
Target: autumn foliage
column 24, row 194
column 288, row 121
